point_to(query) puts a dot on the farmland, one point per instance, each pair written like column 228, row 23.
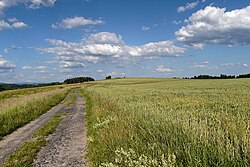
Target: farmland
column 169, row 122
column 131, row 122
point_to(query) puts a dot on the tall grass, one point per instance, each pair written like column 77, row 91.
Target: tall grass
column 27, row 91
column 16, row 112
column 167, row 122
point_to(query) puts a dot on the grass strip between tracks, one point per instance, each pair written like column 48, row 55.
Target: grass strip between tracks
column 25, row 155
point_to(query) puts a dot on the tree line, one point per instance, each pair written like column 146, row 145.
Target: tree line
column 4, row 86
column 222, row 76
column 78, row 80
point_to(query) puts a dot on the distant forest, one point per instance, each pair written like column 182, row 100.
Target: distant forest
column 4, row 86
column 222, row 76
column 78, row 80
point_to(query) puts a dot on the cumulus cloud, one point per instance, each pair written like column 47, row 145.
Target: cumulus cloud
column 107, row 45
column 188, row 6
column 105, row 38
column 29, row 3
column 6, row 66
column 163, row 69
column 12, row 24
column 214, row 25
column 37, row 3
column 75, row 22
column 68, row 64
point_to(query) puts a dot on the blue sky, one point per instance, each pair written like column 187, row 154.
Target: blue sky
column 51, row 40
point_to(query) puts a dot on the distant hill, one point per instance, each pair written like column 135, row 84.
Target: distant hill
column 4, row 86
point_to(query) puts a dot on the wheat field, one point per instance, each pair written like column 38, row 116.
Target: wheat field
column 168, row 122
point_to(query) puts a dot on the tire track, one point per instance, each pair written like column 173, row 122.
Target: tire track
column 67, row 145
column 14, row 140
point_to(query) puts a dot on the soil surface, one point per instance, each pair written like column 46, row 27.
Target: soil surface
column 67, row 145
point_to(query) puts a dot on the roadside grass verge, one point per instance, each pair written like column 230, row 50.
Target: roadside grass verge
column 168, row 123
column 89, row 121
column 27, row 109
column 27, row 91
column 25, row 155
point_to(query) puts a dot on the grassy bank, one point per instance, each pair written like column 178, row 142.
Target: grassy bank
column 25, row 155
column 167, row 122
column 21, row 92
column 15, row 113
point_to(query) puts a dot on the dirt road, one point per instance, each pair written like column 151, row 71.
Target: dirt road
column 65, row 147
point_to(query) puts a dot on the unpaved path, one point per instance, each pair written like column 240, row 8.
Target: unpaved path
column 66, row 146
column 11, row 142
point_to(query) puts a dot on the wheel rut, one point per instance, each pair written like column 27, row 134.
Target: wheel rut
column 67, row 145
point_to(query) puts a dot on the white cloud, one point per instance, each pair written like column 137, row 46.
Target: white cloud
column 144, row 28
column 205, row 62
column 12, row 20
column 205, row 65
column 33, row 68
column 227, row 64
column 30, row 3
column 214, row 25
column 68, row 64
column 6, row 66
column 37, row 3
column 19, row 25
column 105, row 38
column 106, row 45
column 188, row 6
column 99, row 71
column 177, row 22
column 245, row 65
column 163, row 69
column 12, row 24
column 75, row 22
column 115, row 74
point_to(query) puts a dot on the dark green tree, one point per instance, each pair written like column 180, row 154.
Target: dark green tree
column 1, row 88
column 109, row 77
column 78, row 80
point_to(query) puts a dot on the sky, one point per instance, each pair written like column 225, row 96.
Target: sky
column 52, row 40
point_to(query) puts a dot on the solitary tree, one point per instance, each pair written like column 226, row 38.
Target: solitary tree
column 108, row 77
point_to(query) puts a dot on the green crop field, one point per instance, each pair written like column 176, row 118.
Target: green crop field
column 168, row 122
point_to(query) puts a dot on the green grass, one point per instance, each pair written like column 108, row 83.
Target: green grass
column 33, row 106
column 169, row 122
column 71, row 97
column 27, row 91
column 24, row 156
